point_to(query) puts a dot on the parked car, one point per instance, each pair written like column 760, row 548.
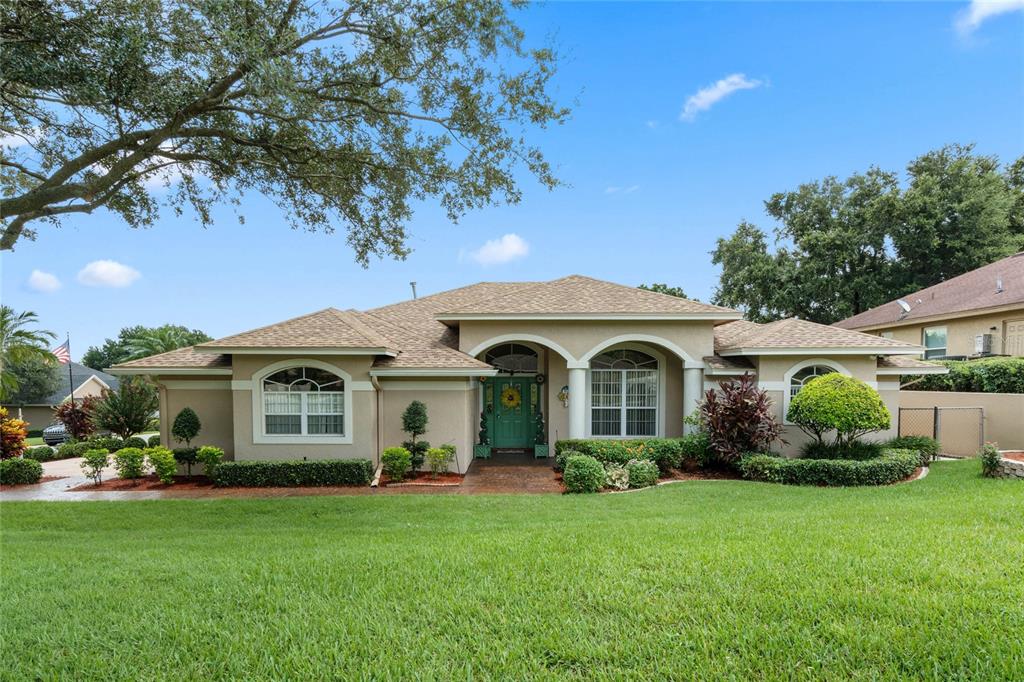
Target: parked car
column 55, row 434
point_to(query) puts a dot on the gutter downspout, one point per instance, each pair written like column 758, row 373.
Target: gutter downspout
column 379, row 428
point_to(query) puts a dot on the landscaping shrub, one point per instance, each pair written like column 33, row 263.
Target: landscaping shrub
column 438, row 459
column 642, row 473
column 127, row 410
column 186, row 456
column 927, row 447
column 989, row 456
column 858, row 449
column 561, row 456
column 616, row 476
column 211, row 458
column 257, row 474
column 667, row 452
column 130, row 462
column 835, row 402
column 17, row 470
column 135, row 442
column 76, row 417
column 414, row 422
column 396, row 462
column 94, row 461
column 985, row 375
column 583, row 474
column 154, row 441
column 186, row 426
column 417, row 452
column 108, row 443
column 738, row 418
column 696, row 447
column 162, row 461
column 891, row 467
column 41, row 453
column 69, row 450
column 12, row 435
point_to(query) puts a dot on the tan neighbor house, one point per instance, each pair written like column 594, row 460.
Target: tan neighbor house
column 570, row 358
column 87, row 383
column 977, row 314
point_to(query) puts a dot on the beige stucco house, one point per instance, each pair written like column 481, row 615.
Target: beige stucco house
column 977, row 314
column 524, row 362
column 84, row 381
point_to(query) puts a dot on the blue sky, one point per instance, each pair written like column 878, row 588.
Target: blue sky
column 817, row 89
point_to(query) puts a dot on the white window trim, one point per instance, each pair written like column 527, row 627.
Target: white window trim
column 924, row 335
column 259, row 434
column 659, row 425
column 787, row 379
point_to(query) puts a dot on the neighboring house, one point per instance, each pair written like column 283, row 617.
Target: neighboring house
column 592, row 358
column 977, row 314
column 87, row 382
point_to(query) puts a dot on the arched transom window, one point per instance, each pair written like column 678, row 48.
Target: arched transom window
column 797, row 381
column 304, row 401
column 514, row 358
column 623, row 394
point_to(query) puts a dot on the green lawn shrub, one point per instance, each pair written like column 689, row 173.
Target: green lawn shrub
column 986, row 375
column 41, row 453
column 667, row 453
column 94, row 461
column 69, row 450
column 135, row 442
column 130, row 462
column 162, row 462
column 583, row 474
column 840, row 404
column 186, row 457
column 696, row 447
column 153, row 441
column 562, row 455
column 108, row 443
column 210, row 457
column 642, row 473
column 891, row 467
column 926, row 446
column 438, row 459
column 19, row 470
column 262, row 474
column 990, row 457
column 396, row 462
column 739, row 417
column 858, row 449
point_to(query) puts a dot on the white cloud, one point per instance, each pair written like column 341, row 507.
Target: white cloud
column 970, row 18
column 508, row 248
column 44, row 282
column 621, row 190
column 705, row 98
column 107, row 273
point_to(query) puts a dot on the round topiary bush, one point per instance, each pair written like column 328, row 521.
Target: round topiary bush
column 583, row 474
column 153, row 441
column 838, row 403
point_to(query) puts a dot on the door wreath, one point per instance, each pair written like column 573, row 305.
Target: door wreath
column 511, row 398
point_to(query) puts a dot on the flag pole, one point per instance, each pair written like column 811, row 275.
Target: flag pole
column 71, row 378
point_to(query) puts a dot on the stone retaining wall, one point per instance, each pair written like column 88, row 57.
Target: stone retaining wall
column 1009, row 468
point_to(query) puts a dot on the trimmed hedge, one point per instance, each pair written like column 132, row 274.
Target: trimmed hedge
column 642, row 473
column 153, row 441
column 109, row 443
column 41, row 453
column 986, row 375
column 583, row 474
column 927, row 447
column 891, row 467
column 135, row 442
column 17, row 470
column 858, row 449
column 69, row 450
column 667, row 453
column 262, row 474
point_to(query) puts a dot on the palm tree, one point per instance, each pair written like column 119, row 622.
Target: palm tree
column 20, row 342
column 156, row 341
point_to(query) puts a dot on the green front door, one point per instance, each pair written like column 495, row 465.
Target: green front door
column 512, row 422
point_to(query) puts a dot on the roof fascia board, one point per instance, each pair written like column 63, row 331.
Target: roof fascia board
column 897, row 371
column 293, row 350
column 169, row 370
column 824, row 350
column 433, row 372
column 710, row 316
column 974, row 312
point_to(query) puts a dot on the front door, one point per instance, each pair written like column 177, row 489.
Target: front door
column 512, row 425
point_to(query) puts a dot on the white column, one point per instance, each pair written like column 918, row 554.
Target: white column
column 693, row 389
column 577, row 402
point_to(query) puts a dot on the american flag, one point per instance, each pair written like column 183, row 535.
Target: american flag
column 63, row 352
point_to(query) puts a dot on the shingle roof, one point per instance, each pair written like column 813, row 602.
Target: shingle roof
column 79, row 375
column 971, row 291
column 182, row 358
column 327, row 328
column 908, row 365
column 796, row 334
column 579, row 296
column 716, row 363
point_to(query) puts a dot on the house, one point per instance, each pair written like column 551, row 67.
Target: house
column 977, row 314
column 522, row 362
column 87, row 382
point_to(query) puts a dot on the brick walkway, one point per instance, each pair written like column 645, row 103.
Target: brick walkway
column 509, row 474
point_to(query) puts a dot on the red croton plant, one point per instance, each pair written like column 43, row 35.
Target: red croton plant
column 77, row 417
column 738, row 418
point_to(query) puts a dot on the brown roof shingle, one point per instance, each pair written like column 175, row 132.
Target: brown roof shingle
column 796, row 334
column 327, row 328
column 971, row 291
column 182, row 358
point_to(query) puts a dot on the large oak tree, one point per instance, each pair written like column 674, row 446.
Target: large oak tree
column 343, row 113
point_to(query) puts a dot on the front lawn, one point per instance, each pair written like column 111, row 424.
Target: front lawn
column 695, row 580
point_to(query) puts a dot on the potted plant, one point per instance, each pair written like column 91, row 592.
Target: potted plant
column 482, row 450
column 541, row 447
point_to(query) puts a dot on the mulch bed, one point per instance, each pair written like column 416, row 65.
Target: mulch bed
column 424, row 478
column 1015, row 456
column 145, row 483
column 44, row 479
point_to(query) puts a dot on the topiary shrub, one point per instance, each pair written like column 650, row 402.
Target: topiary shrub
column 211, row 458
column 94, row 461
column 396, row 462
column 642, row 473
column 417, row 452
column 130, row 462
column 186, row 426
column 838, row 403
column 18, row 471
column 319, row 472
column 186, row 457
column 858, row 449
column 135, row 442
column 990, row 458
column 162, row 462
column 738, row 418
column 41, row 453
column 891, row 467
column 414, row 422
column 926, row 446
column 153, row 441
column 583, row 474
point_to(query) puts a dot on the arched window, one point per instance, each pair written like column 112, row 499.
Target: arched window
column 513, row 358
column 304, row 401
column 797, row 381
column 623, row 394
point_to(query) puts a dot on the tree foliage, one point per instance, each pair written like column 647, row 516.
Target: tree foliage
column 128, row 410
column 845, row 246
column 339, row 112
column 139, row 341
column 76, row 416
column 664, row 289
column 37, row 379
column 186, row 426
column 20, row 341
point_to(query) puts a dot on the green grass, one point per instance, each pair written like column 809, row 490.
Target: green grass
column 692, row 581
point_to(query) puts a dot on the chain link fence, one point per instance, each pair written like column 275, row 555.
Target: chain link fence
column 959, row 430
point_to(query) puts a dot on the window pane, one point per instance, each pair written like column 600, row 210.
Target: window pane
column 935, row 342
column 326, row 423
column 641, row 388
column 282, row 403
column 605, row 422
column 284, row 423
column 325, row 403
column 605, row 388
column 640, row 422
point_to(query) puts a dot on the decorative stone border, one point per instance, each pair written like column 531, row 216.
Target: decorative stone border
column 1010, row 468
